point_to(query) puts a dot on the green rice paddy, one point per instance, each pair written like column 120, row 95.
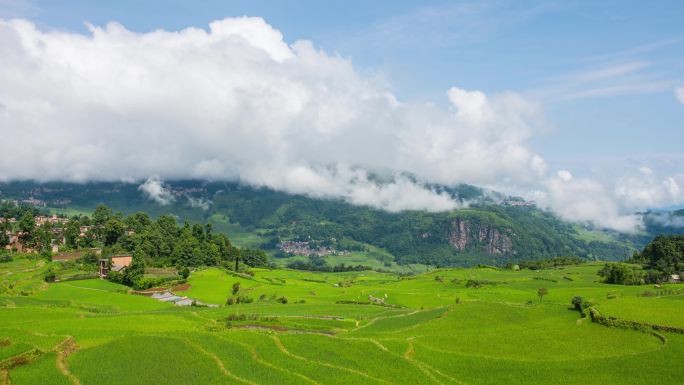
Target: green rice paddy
column 433, row 329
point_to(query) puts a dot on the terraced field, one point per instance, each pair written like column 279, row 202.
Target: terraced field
column 432, row 329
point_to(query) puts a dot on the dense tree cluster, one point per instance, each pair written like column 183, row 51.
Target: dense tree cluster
column 160, row 242
column 548, row 263
column 661, row 258
column 664, row 254
column 316, row 263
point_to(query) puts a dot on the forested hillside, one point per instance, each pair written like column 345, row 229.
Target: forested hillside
column 492, row 229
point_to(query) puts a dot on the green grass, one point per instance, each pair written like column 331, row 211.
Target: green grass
column 42, row 371
column 439, row 331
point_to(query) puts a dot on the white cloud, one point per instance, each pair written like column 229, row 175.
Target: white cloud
column 667, row 219
column 679, row 94
column 155, row 190
column 646, row 190
column 237, row 102
column 585, row 200
column 201, row 203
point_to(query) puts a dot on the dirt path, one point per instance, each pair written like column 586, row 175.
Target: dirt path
column 64, row 349
column 4, row 377
column 284, row 350
column 219, row 363
column 376, row 319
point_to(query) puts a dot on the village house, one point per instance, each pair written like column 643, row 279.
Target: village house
column 675, row 278
column 15, row 242
column 85, row 230
column 118, row 263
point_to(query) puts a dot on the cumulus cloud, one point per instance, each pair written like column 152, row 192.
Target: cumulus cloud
column 645, row 189
column 154, row 189
column 585, row 200
column 238, row 102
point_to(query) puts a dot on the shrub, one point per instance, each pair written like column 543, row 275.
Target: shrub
column 185, row 273
column 245, row 299
column 621, row 274
column 282, row 300
column 49, row 276
column 236, row 288
column 5, row 258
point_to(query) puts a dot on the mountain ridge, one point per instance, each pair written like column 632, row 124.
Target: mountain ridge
column 494, row 231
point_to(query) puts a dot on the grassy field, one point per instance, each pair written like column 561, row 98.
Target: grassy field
column 433, row 329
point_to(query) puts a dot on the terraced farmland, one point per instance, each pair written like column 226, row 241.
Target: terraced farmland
column 431, row 329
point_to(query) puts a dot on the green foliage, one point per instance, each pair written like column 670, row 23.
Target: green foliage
column 665, row 254
column 49, row 275
column 316, row 263
column 253, row 257
column 621, row 274
column 549, row 263
column 185, row 272
column 541, row 292
column 261, row 217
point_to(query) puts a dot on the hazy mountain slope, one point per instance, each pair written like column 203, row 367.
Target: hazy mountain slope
column 485, row 232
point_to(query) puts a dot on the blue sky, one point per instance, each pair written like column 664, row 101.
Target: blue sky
column 543, row 49
column 571, row 103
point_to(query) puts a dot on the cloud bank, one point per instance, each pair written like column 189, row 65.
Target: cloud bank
column 237, row 102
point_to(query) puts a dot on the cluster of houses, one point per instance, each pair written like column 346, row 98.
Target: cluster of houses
column 305, row 248
column 58, row 227
column 518, row 203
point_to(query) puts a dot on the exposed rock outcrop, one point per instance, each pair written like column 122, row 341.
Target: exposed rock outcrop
column 463, row 234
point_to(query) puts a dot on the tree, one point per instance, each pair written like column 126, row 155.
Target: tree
column 254, row 257
column 236, row 288
column 101, row 215
column 185, row 272
column 620, row 274
column 112, row 230
column 665, row 253
column 4, row 238
column 541, row 292
column 136, row 270
column 27, row 226
column 72, row 234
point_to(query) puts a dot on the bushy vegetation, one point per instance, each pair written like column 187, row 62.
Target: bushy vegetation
column 316, row 263
column 664, row 254
column 548, row 263
column 622, row 274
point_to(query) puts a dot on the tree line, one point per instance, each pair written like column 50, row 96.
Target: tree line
column 660, row 259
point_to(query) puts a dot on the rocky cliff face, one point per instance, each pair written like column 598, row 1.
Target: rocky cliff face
column 463, row 234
